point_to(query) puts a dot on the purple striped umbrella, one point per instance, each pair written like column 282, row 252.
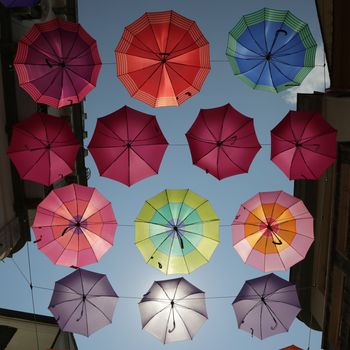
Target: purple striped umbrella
column 266, row 306
column 83, row 302
column 57, row 63
column 18, row 3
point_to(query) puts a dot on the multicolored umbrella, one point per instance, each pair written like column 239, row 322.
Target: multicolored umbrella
column 266, row 306
column 162, row 58
column 271, row 50
column 173, row 310
column 83, row 302
column 272, row 231
column 177, row 231
column 128, row 145
column 74, row 225
column 43, row 148
column 222, row 141
column 303, row 145
column 57, row 63
column 18, row 3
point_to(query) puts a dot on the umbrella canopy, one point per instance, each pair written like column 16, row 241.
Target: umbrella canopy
column 272, row 231
column 57, row 63
column 83, row 302
column 74, row 225
column 128, row 145
column 43, row 148
column 303, row 145
column 173, row 310
column 177, row 231
column 162, row 58
column 291, row 347
column 18, row 3
column 271, row 50
column 266, row 306
column 222, row 141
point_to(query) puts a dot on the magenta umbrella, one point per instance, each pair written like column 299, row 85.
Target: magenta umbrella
column 83, row 302
column 127, row 145
column 43, row 148
column 266, row 306
column 303, row 145
column 74, row 225
column 222, row 141
column 57, row 63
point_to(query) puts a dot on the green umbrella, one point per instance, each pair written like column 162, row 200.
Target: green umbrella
column 177, row 231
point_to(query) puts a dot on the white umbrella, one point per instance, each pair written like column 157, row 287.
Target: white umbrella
column 173, row 310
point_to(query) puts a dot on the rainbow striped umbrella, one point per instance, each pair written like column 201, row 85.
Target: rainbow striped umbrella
column 272, row 231
column 177, row 231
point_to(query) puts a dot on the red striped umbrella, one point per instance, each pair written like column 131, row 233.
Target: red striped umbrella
column 127, row 145
column 43, row 148
column 162, row 58
column 57, row 63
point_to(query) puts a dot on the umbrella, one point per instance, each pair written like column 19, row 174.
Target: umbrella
column 173, row 310
column 266, row 306
column 271, row 50
column 74, row 225
column 18, row 3
column 57, row 63
column 43, row 148
column 222, row 141
column 291, row 347
column 303, row 145
column 128, row 145
column 83, row 302
column 272, row 231
column 177, row 231
column 162, row 58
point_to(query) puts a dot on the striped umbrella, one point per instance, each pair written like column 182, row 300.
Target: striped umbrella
column 177, row 231
column 271, row 50
column 272, row 231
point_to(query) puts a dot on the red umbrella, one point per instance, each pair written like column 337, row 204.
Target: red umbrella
column 222, row 141
column 43, row 148
column 162, row 58
column 127, row 145
column 57, row 63
column 303, row 145
column 74, row 225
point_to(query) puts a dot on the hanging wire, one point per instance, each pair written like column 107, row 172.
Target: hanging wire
column 32, row 296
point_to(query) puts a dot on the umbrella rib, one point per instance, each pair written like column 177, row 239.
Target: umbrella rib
column 157, row 249
column 183, row 321
column 141, row 157
column 169, row 255
column 200, row 235
column 273, row 314
column 66, row 73
column 65, row 300
column 65, row 247
column 251, row 35
column 96, row 307
column 188, row 308
column 181, row 206
column 114, row 160
column 245, row 208
column 70, row 317
column 195, row 248
column 156, row 235
column 286, row 76
column 155, row 314
column 143, row 128
column 261, row 72
column 231, row 160
column 156, row 210
column 182, row 77
column 36, row 162
column 154, row 34
column 194, row 210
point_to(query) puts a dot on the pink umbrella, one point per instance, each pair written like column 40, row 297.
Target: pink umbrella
column 43, row 148
column 127, row 145
column 74, row 225
column 57, row 63
column 272, row 231
column 303, row 145
column 222, row 141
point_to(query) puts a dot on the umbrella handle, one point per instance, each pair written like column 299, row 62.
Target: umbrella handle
column 172, row 309
column 279, row 242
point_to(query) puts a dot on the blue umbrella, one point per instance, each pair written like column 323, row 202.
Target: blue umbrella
column 271, row 50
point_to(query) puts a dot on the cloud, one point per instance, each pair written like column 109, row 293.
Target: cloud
column 316, row 80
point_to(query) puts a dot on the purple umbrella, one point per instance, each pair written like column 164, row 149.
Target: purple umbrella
column 18, row 3
column 266, row 306
column 83, row 302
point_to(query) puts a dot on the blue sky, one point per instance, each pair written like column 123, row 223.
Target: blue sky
column 225, row 274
